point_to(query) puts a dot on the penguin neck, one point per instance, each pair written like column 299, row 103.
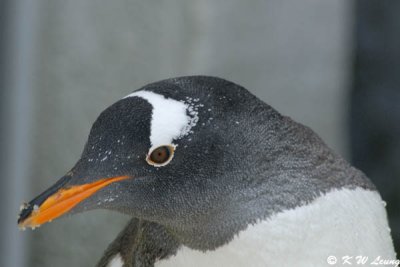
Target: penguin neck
column 255, row 194
column 305, row 233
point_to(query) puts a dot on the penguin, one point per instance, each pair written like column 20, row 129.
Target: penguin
column 213, row 176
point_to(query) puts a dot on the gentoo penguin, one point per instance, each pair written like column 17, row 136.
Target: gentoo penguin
column 213, row 176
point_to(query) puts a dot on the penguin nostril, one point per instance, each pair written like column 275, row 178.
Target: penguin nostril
column 160, row 156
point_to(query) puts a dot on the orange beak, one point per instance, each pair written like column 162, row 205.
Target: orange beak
column 63, row 201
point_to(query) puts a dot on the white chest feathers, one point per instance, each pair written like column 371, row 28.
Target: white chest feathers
column 340, row 223
column 116, row 261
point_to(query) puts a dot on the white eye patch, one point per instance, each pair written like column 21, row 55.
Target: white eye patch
column 169, row 119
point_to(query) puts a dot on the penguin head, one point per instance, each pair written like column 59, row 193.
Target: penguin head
column 170, row 152
column 199, row 155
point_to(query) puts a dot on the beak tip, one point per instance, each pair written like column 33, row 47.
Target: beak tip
column 56, row 202
column 25, row 212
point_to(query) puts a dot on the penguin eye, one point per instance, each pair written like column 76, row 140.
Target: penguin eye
column 160, row 156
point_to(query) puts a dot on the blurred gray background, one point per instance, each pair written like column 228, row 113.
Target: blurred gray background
column 63, row 62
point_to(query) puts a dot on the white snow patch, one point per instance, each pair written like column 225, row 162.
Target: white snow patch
column 23, row 206
column 109, row 199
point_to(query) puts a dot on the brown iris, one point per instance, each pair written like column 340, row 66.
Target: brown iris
column 160, row 155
